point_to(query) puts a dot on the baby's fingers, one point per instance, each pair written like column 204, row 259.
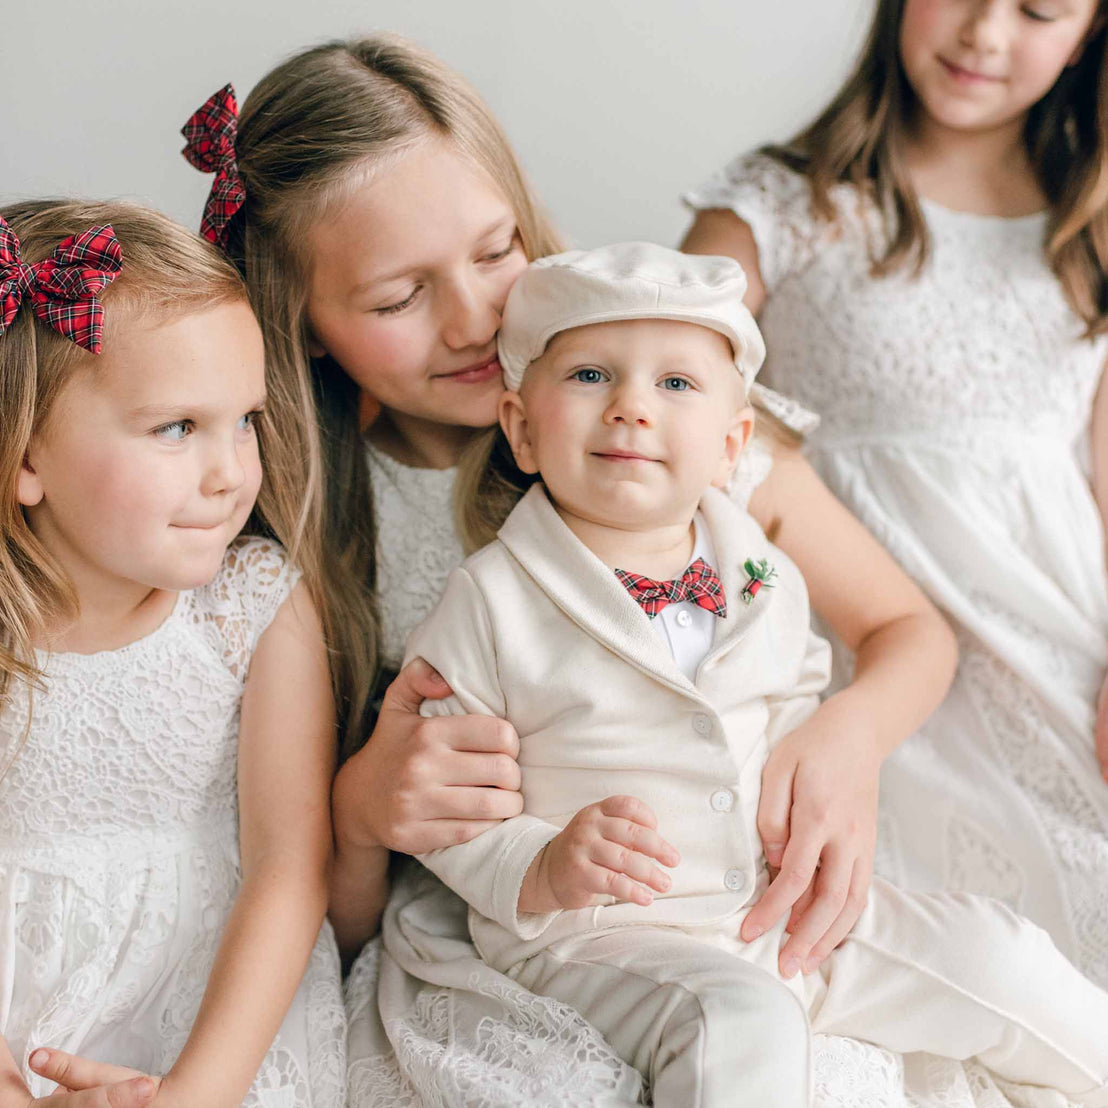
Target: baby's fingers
column 629, row 863
column 628, row 807
column 639, row 838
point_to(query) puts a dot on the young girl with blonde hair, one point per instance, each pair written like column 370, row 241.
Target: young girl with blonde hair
column 380, row 218
column 930, row 264
column 166, row 723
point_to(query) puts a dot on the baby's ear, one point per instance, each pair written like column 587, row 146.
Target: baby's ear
column 738, row 435
column 513, row 422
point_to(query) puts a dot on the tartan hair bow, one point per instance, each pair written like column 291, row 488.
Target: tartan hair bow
column 62, row 288
column 210, row 147
column 699, row 583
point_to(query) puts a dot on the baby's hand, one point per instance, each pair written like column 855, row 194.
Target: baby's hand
column 604, row 850
column 1102, row 729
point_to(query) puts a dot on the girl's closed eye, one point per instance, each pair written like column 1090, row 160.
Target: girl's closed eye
column 513, row 244
column 399, row 305
column 1039, row 13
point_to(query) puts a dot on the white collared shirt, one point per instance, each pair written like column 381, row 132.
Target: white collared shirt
column 685, row 627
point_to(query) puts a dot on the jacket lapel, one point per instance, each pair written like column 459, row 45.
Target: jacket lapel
column 583, row 587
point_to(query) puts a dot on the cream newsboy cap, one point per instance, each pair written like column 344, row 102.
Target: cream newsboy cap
column 629, row 280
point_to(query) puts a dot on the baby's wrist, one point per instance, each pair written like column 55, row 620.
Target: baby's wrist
column 535, row 894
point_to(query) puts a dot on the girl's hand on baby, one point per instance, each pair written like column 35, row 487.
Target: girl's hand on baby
column 1102, row 730
column 605, row 850
column 83, row 1083
column 419, row 784
column 818, row 822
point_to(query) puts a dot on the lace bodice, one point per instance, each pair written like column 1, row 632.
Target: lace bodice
column 99, row 762
column 981, row 341
column 417, row 544
column 119, row 856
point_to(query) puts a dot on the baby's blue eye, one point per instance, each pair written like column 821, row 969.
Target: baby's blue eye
column 173, row 432
column 676, row 384
column 588, row 376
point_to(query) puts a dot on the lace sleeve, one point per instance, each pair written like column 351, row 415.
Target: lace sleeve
column 774, row 201
column 756, row 460
column 240, row 602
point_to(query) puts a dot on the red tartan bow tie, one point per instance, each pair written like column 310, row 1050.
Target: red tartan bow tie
column 698, row 583
column 63, row 288
column 211, row 132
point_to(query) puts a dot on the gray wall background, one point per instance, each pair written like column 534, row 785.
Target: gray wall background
column 614, row 106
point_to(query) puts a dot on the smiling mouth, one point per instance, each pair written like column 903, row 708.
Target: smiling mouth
column 969, row 76
column 474, row 374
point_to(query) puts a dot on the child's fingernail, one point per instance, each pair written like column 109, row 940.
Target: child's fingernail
column 790, row 967
column 39, row 1058
column 810, row 964
column 753, row 933
column 143, row 1086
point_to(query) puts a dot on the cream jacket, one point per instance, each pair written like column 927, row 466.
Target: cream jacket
column 534, row 628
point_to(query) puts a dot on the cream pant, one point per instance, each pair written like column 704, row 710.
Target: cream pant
column 709, row 1022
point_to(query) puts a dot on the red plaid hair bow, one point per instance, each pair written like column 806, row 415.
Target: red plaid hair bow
column 63, row 287
column 211, row 132
column 698, row 583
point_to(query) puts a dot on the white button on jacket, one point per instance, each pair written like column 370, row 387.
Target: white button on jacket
column 723, row 800
column 735, row 880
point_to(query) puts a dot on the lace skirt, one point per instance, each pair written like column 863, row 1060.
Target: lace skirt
column 105, row 951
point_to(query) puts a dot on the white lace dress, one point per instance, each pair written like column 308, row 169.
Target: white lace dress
column 119, row 856
column 430, row 1025
column 955, row 415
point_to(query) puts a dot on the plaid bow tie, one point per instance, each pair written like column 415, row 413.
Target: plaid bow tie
column 698, row 583
column 63, row 287
column 210, row 132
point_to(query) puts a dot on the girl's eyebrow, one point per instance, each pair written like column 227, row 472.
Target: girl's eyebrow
column 492, row 229
column 176, row 411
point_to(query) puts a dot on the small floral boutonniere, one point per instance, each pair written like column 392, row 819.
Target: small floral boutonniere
column 761, row 573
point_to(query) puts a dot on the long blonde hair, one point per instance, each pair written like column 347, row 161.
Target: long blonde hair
column 308, row 131
column 860, row 139
column 167, row 273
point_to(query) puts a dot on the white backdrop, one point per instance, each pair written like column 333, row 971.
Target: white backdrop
column 614, row 106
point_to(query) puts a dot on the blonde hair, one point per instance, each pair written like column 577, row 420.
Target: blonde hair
column 860, row 139
column 167, row 273
column 308, row 131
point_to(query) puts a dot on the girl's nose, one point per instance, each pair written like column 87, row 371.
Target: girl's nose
column 983, row 28
column 224, row 472
column 470, row 316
